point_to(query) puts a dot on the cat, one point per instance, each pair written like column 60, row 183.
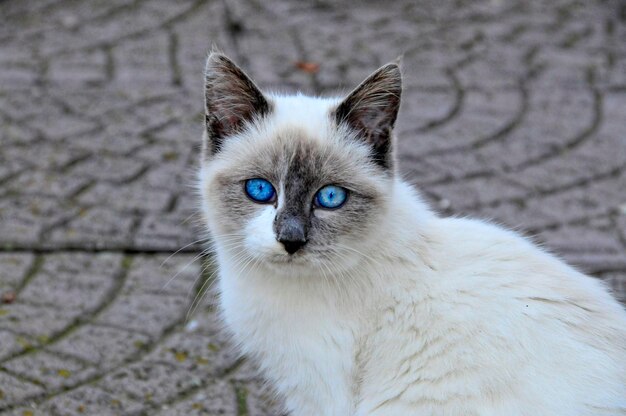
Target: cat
column 356, row 299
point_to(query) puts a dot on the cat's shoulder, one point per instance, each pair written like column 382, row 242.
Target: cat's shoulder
column 476, row 236
column 490, row 260
column 492, row 255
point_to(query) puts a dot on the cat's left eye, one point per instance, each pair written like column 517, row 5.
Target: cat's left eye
column 260, row 190
column 331, row 197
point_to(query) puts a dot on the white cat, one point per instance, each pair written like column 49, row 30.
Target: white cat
column 355, row 299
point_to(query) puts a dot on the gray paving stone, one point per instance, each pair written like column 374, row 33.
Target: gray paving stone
column 36, row 321
column 57, row 127
column 130, row 198
column 11, row 343
column 15, row 390
column 170, row 177
column 599, row 198
column 217, row 398
column 145, row 313
column 23, row 218
column 518, row 216
column 91, row 401
column 116, row 170
column 152, row 383
column 167, row 231
column 102, row 346
column 13, row 269
column 164, row 274
column 70, row 265
column 587, row 248
column 50, row 370
column 200, row 356
column 426, row 107
column 480, row 191
column 19, row 231
column 144, row 60
column 166, row 153
column 31, row 410
column 109, row 141
column 16, row 134
column 83, row 293
column 95, row 227
column 47, row 184
column 79, row 68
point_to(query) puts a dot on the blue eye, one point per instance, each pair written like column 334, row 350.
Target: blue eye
column 260, row 190
column 331, row 196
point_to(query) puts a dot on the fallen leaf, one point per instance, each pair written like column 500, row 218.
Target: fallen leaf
column 64, row 373
column 8, row 297
column 202, row 361
column 308, row 67
column 180, row 356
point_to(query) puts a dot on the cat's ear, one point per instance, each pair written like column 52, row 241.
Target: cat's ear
column 371, row 110
column 231, row 100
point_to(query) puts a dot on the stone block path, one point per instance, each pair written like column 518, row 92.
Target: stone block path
column 513, row 110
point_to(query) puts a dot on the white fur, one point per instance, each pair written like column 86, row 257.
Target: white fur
column 436, row 316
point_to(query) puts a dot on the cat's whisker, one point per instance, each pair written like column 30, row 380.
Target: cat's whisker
column 211, row 263
column 192, row 308
column 195, row 214
column 196, row 257
column 181, row 249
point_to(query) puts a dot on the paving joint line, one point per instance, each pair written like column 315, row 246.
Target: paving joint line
column 109, row 298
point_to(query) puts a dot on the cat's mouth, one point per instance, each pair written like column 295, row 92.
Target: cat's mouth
column 305, row 258
column 296, row 258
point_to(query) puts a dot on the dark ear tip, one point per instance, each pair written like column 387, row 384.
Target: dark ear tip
column 393, row 69
column 217, row 59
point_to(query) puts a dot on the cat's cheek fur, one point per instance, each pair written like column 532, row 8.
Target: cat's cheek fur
column 260, row 240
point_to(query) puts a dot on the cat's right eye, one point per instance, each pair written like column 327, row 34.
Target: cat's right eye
column 260, row 190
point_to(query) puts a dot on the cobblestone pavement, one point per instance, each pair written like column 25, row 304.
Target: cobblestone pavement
column 513, row 110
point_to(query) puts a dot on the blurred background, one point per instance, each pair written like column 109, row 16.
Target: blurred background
column 513, row 110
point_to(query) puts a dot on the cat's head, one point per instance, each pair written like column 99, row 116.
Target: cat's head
column 296, row 183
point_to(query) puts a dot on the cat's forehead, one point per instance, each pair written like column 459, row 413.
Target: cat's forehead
column 310, row 114
column 290, row 148
column 299, row 141
column 298, row 129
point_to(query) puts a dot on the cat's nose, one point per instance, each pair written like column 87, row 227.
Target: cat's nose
column 291, row 234
column 291, row 246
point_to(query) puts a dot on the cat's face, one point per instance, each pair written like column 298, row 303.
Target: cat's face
column 296, row 184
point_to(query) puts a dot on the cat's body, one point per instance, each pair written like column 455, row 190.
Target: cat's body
column 385, row 308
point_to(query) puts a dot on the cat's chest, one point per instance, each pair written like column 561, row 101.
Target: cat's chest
column 265, row 315
column 305, row 346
